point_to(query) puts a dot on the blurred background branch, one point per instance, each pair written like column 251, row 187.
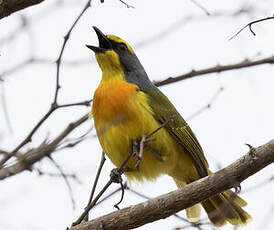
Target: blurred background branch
column 8, row 7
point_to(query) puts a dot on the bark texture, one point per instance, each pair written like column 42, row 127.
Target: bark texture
column 170, row 203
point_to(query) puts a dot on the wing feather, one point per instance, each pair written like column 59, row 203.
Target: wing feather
column 162, row 111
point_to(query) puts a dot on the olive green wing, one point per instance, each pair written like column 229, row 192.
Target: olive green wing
column 163, row 111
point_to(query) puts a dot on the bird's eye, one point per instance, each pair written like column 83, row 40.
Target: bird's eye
column 122, row 46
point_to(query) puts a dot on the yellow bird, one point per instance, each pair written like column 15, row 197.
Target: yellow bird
column 126, row 106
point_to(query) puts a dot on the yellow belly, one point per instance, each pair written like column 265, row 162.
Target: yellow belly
column 135, row 119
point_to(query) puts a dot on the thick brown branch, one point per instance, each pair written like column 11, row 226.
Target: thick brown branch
column 216, row 69
column 170, row 203
column 8, row 7
column 36, row 154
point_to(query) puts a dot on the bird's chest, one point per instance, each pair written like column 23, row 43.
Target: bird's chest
column 122, row 115
column 120, row 110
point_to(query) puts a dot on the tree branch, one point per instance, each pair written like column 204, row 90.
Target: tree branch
column 216, row 69
column 170, row 203
column 45, row 149
column 8, row 7
column 249, row 25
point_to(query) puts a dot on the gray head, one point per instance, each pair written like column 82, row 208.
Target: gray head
column 115, row 54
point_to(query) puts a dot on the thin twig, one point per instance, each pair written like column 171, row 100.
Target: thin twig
column 42, row 61
column 54, row 105
column 65, row 179
column 103, row 159
column 86, row 103
column 50, row 174
column 201, row 7
column 110, row 181
column 127, row 5
column 36, row 154
column 207, row 106
column 37, row 126
column 249, row 25
column 5, row 109
column 70, row 143
column 59, row 59
column 171, row 118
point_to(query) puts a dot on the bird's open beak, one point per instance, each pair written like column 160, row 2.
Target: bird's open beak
column 104, row 43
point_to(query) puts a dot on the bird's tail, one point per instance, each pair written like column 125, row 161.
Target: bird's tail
column 221, row 208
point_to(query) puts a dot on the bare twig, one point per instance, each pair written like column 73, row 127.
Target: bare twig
column 64, row 176
column 59, row 59
column 54, row 105
column 36, row 154
column 173, row 27
column 207, row 106
column 37, row 126
column 103, row 159
column 216, row 69
column 86, row 103
column 5, row 109
column 249, row 25
column 155, row 37
column 127, row 5
column 168, row 204
column 51, row 174
column 70, row 143
column 42, row 61
column 118, row 172
column 201, row 7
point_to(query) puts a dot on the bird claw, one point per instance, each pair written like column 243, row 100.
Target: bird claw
column 238, row 188
column 252, row 152
column 116, row 176
column 139, row 154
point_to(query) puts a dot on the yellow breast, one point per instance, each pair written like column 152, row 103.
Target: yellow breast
column 121, row 115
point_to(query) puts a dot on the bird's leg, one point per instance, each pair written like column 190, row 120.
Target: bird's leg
column 135, row 146
column 141, row 145
column 141, row 151
column 145, row 139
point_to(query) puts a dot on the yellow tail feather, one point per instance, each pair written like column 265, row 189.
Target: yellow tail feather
column 192, row 213
column 222, row 208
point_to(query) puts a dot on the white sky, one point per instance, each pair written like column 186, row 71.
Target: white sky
column 243, row 112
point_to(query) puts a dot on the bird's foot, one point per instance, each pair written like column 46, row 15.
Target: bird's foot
column 139, row 154
column 116, row 175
